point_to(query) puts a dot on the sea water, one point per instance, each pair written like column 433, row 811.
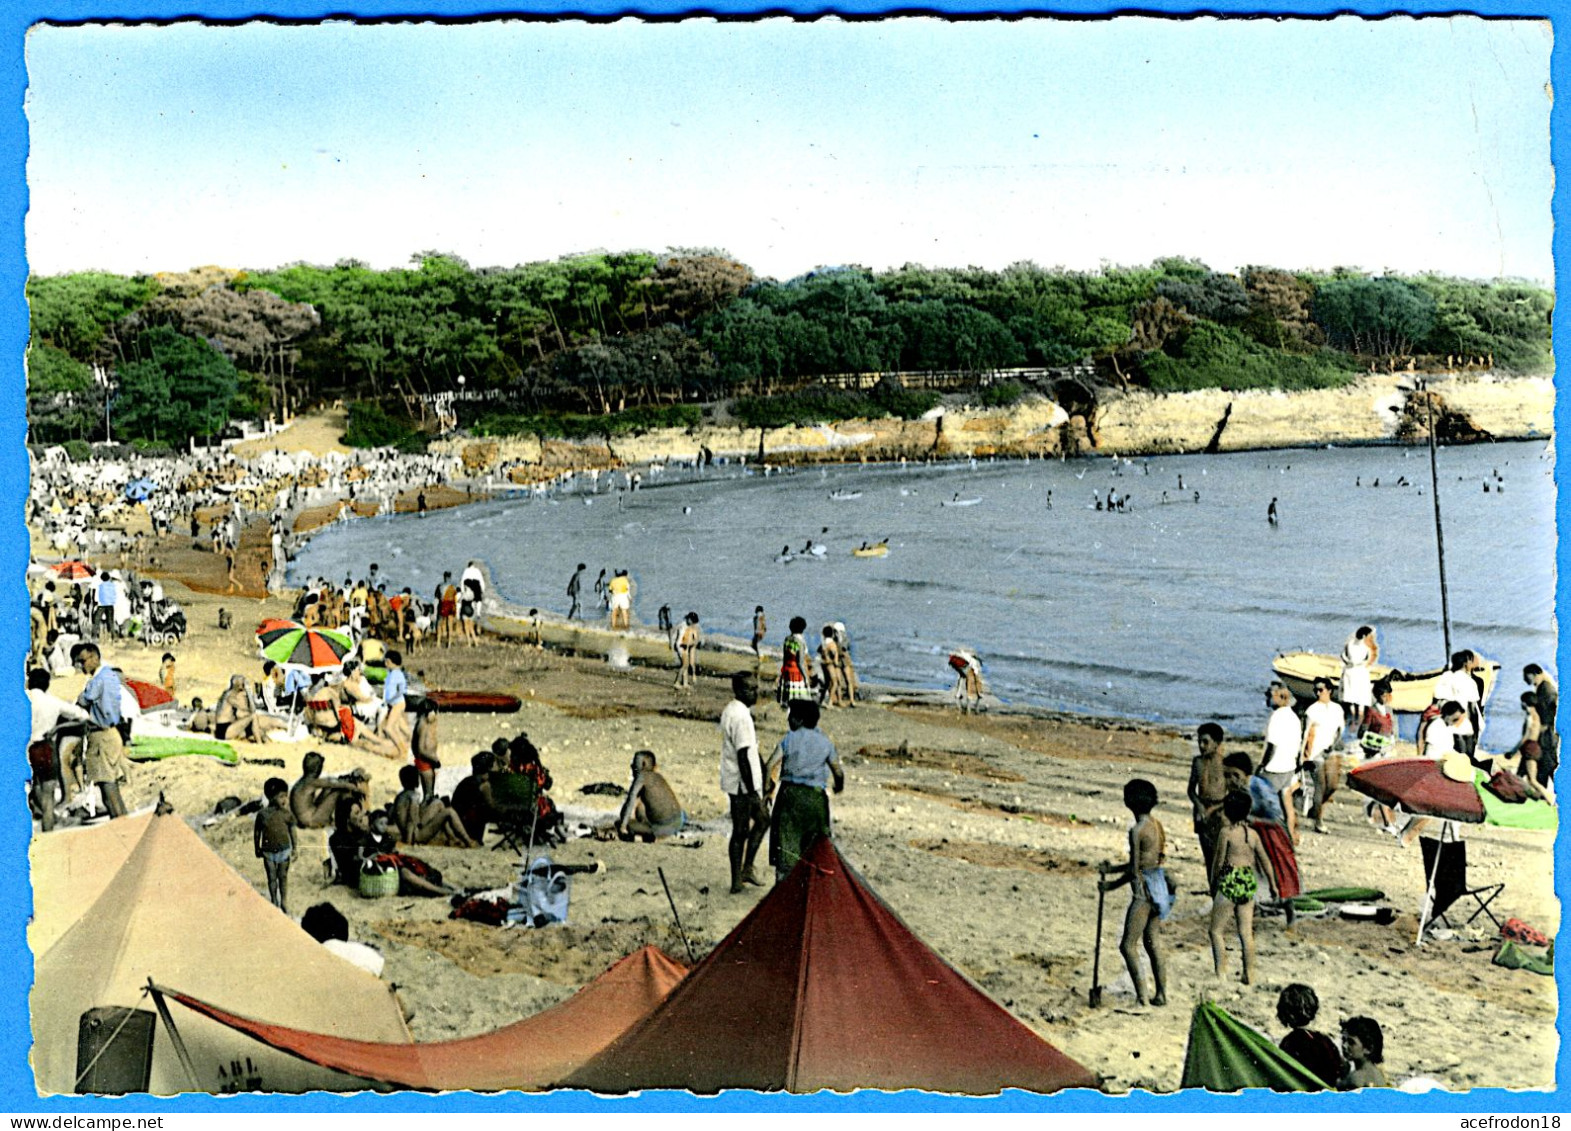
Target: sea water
column 1170, row 610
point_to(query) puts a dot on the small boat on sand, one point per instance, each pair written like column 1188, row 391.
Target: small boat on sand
column 1411, row 692
column 876, row 551
column 843, row 495
column 474, row 702
column 957, row 502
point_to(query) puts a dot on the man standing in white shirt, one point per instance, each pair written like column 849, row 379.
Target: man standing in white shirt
column 1459, row 685
column 1323, row 723
column 1284, row 741
column 742, row 780
column 1437, row 735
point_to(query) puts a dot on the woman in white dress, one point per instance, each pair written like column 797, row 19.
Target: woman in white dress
column 1356, row 690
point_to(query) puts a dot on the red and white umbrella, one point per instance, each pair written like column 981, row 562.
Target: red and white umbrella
column 149, row 696
column 73, row 570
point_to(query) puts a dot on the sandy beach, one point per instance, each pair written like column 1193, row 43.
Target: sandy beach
column 982, row 832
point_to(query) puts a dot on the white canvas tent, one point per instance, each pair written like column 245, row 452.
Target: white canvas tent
column 178, row 915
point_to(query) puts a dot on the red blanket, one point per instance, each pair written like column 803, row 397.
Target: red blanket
column 1279, row 847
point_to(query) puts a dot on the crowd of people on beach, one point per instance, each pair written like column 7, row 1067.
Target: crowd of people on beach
column 1246, row 817
column 1247, row 810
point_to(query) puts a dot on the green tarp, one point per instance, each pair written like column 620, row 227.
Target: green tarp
column 1529, row 814
column 1225, row 1055
column 154, row 749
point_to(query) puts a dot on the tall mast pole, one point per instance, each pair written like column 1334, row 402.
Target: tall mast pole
column 1440, row 537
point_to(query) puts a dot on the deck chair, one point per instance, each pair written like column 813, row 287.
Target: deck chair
column 1445, row 866
column 513, row 810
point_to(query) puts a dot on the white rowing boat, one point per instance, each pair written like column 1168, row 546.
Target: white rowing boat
column 1411, row 692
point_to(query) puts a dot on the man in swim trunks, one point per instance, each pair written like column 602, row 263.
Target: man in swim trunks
column 574, row 584
column 313, row 797
column 1151, row 898
column 651, row 810
column 236, row 716
column 760, row 626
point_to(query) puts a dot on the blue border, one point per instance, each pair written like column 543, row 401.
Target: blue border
column 16, row 1085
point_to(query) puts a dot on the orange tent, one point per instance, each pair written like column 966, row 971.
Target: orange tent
column 530, row 1055
column 822, row 986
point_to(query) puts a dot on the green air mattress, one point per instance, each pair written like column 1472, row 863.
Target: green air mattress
column 157, row 749
column 1346, row 895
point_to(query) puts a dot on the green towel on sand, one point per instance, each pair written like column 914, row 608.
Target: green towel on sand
column 1514, row 956
column 156, row 749
column 1529, row 814
column 1346, row 895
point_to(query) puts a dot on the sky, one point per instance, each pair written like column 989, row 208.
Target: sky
column 1395, row 145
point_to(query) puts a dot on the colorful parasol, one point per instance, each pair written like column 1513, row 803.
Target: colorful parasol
column 274, row 624
column 318, row 649
column 1421, row 787
column 1450, row 789
column 73, row 570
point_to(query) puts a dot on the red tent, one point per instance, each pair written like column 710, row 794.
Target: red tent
column 530, row 1055
column 822, row 986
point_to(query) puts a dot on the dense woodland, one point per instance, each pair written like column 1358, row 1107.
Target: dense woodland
column 606, row 343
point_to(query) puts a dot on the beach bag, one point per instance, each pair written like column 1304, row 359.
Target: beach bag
column 545, row 896
column 1521, row 932
column 1507, row 786
column 959, row 663
column 376, row 882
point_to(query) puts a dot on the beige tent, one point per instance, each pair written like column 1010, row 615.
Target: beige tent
column 71, row 867
column 177, row 914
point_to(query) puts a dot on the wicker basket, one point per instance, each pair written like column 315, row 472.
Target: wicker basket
column 374, row 885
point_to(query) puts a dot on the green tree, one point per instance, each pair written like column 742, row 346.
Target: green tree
column 63, row 403
column 1374, row 316
column 177, row 387
column 77, row 313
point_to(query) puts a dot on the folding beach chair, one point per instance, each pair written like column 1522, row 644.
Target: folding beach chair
column 514, row 811
column 1445, row 865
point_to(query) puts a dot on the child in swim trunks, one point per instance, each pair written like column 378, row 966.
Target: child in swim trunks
column 1236, row 868
column 1151, row 899
column 274, row 839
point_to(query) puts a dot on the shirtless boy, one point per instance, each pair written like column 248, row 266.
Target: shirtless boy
column 1151, row 900
column 1207, row 787
column 424, row 823
column 651, row 810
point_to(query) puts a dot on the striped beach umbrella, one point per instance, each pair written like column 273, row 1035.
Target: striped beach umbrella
column 73, row 570
column 317, row 649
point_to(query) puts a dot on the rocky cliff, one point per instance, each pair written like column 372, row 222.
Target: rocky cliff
column 1374, row 409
